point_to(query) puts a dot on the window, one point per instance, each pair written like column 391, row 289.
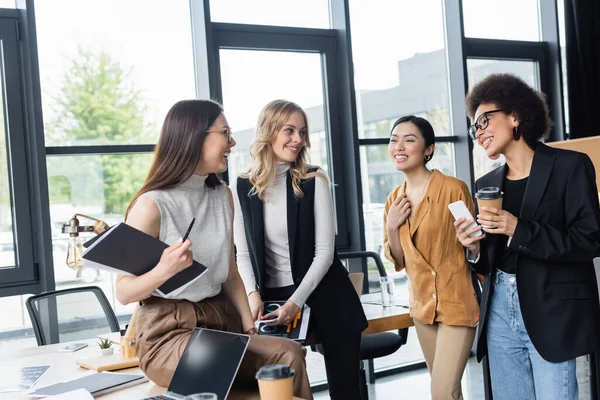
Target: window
column 399, row 69
column 8, row 3
column 110, row 80
column 306, row 14
column 477, row 69
column 7, row 242
column 563, row 61
column 16, row 246
column 502, row 19
column 251, row 79
column 107, row 83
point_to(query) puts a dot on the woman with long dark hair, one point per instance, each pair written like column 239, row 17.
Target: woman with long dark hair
column 182, row 184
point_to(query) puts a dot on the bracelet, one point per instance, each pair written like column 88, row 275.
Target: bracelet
column 251, row 331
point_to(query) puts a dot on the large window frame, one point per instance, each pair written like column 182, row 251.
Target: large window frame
column 24, row 271
column 298, row 40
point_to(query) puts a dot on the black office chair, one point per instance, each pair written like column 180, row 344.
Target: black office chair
column 71, row 314
column 378, row 344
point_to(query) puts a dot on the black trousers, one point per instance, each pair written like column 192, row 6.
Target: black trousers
column 342, row 354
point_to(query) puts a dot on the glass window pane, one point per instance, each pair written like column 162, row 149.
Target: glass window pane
column 399, row 68
column 477, row 69
column 305, row 14
column 7, row 242
column 502, row 19
column 8, row 3
column 15, row 325
column 563, row 61
column 111, row 79
column 243, row 98
column 100, row 186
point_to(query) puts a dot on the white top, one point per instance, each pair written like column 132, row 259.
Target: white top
column 278, row 271
column 210, row 235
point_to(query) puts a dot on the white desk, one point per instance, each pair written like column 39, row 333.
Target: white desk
column 64, row 368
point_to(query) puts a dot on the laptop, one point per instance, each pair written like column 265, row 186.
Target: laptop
column 209, row 364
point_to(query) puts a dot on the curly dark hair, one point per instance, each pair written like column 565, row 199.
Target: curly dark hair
column 511, row 94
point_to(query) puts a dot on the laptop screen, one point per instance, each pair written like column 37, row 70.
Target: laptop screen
column 209, row 363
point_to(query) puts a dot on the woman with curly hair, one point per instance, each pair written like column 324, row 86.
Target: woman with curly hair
column 284, row 232
column 539, row 308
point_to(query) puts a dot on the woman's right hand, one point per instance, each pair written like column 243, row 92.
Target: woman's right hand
column 462, row 234
column 398, row 213
column 256, row 305
column 175, row 258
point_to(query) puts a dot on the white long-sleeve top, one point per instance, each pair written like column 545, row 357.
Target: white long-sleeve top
column 278, row 271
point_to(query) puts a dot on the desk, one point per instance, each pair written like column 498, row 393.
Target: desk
column 63, row 364
column 382, row 319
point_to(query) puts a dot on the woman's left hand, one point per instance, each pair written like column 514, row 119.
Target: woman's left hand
column 502, row 223
column 284, row 314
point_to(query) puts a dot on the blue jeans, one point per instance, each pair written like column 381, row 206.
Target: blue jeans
column 517, row 370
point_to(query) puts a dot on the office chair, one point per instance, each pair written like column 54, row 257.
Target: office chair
column 378, row 344
column 71, row 314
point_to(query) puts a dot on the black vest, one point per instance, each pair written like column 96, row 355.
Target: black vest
column 335, row 307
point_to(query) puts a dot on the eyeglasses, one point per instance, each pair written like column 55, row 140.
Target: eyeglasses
column 226, row 132
column 482, row 122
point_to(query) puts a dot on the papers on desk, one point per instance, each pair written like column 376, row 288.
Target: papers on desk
column 21, row 378
column 96, row 383
column 79, row 394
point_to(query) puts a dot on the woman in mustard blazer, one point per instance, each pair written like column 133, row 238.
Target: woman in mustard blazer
column 420, row 236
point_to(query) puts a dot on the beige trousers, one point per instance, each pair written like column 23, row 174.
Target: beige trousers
column 446, row 349
column 165, row 326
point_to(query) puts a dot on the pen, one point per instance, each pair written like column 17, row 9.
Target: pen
column 188, row 230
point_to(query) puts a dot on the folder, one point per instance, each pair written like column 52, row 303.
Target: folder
column 95, row 383
column 122, row 249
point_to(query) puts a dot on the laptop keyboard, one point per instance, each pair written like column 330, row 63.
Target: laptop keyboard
column 160, row 397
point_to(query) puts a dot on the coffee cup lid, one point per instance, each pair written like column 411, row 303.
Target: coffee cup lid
column 274, row 372
column 488, row 193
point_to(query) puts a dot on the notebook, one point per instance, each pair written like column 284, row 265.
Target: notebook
column 208, row 365
column 122, row 249
column 96, row 383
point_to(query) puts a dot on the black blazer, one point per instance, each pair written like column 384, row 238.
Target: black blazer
column 556, row 240
column 335, row 306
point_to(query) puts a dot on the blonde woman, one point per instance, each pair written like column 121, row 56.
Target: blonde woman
column 284, row 233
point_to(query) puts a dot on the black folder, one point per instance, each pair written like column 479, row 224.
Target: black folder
column 125, row 250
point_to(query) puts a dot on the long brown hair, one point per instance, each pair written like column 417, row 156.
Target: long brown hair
column 179, row 146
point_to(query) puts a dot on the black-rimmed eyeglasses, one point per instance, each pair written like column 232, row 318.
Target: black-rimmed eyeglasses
column 224, row 131
column 481, row 123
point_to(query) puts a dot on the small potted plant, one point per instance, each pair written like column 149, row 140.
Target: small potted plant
column 106, row 347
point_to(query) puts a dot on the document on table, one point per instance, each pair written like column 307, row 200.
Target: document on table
column 79, row 394
column 16, row 379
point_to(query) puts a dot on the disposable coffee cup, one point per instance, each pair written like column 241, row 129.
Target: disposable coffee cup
column 489, row 197
column 275, row 382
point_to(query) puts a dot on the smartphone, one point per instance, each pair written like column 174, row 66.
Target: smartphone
column 73, row 347
column 460, row 210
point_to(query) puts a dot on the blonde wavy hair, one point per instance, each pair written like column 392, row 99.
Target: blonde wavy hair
column 272, row 118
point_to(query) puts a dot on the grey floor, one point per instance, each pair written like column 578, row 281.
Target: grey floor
column 414, row 385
